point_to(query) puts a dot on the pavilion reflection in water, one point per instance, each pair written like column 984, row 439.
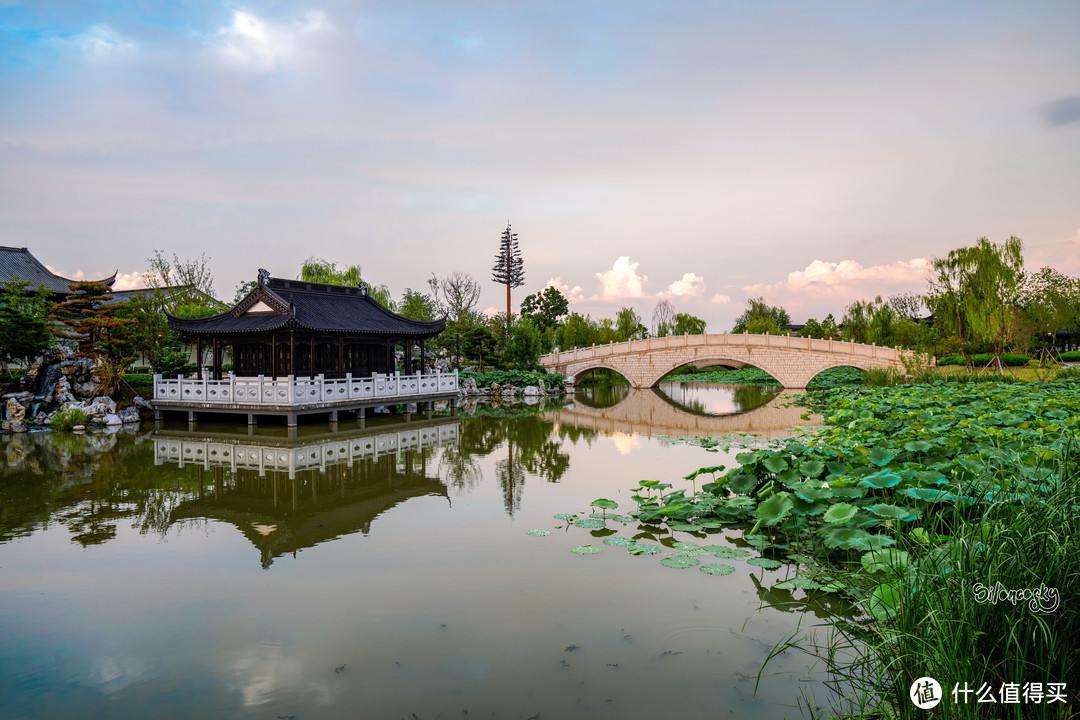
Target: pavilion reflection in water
column 287, row 495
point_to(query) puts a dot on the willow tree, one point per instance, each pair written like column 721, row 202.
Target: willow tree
column 325, row 271
column 1050, row 302
column 976, row 292
column 509, row 270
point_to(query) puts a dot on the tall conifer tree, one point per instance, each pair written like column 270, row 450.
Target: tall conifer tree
column 509, row 269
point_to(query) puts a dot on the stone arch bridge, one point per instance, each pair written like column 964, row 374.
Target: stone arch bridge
column 794, row 361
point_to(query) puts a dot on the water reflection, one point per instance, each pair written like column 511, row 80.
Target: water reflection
column 284, row 496
column 713, row 399
column 602, row 395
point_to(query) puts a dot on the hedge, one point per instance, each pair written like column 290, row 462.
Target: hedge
column 983, row 359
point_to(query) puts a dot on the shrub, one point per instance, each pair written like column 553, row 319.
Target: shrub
column 67, row 418
column 519, row 378
column 983, row 359
column 1071, row 356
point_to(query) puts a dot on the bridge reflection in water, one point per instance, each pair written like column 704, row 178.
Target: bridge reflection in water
column 654, row 412
column 286, row 495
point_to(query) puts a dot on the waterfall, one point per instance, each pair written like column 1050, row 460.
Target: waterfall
column 48, row 384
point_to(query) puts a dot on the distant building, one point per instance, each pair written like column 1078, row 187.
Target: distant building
column 19, row 263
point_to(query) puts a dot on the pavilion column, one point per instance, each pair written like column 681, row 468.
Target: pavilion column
column 311, row 343
column 273, row 356
column 292, row 352
column 341, row 356
column 198, row 358
column 423, row 356
column 408, row 357
column 390, row 364
column 217, row 359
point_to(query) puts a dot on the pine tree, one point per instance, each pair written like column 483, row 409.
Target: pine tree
column 509, row 269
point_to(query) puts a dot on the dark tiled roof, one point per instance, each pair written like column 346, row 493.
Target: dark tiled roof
column 317, row 307
column 19, row 263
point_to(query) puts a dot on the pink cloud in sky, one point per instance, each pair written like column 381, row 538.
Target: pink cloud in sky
column 688, row 286
column 830, row 286
column 719, row 299
column 572, row 294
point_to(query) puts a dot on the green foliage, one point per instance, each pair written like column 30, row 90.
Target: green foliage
column 184, row 288
column 526, row 345
column 321, row 270
column 545, row 309
column 478, row 345
column 832, row 377
column 1071, row 356
column 98, row 326
column 687, row 324
column 759, row 317
column 173, row 361
column 983, row 359
column 24, row 321
column 628, row 326
column 67, row 418
column 416, row 305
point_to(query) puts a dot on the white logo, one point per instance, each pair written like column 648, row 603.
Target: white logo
column 925, row 693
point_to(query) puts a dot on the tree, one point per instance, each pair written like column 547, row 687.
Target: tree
column 686, row 324
column 662, row 317
column 907, row 305
column 509, row 269
column 185, row 288
column 479, row 344
column 99, row 330
column 416, row 305
column 545, row 308
column 628, row 326
column 977, row 290
column 870, row 322
column 455, row 297
column 325, row 271
column 243, row 289
column 525, row 346
column 1050, row 301
column 760, row 317
column 24, row 322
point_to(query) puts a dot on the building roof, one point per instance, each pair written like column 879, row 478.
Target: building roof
column 19, row 263
column 277, row 304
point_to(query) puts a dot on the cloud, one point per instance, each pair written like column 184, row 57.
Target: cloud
column 719, row 299
column 624, row 443
column 129, row 281
column 846, row 277
column 572, row 294
column 689, row 285
column 1064, row 111
column 491, row 311
column 621, row 282
column 101, row 43
column 256, row 44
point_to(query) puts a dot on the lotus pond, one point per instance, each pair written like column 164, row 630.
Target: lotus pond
column 402, row 570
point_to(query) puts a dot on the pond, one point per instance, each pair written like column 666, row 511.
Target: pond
column 381, row 572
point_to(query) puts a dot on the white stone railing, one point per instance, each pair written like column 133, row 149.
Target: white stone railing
column 671, row 342
column 293, row 391
column 244, row 454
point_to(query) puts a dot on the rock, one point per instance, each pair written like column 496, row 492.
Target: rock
column 532, row 391
column 63, row 394
column 14, row 426
column 144, row 408
column 569, row 380
column 381, row 409
column 532, row 400
column 78, row 428
column 14, row 411
column 129, row 415
column 87, row 389
column 112, row 419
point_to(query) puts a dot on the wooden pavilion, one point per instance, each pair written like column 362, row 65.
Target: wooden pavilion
column 302, row 347
column 293, row 327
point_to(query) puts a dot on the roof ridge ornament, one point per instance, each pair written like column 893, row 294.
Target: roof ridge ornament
column 264, row 277
column 363, row 288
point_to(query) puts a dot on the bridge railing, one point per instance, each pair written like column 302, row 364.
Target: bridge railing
column 842, row 347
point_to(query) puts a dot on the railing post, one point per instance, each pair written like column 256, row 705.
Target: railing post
column 873, row 352
column 456, row 386
column 260, row 389
column 852, row 346
column 157, row 376
column 232, row 386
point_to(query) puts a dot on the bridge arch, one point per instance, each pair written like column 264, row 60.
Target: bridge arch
column 792, row 361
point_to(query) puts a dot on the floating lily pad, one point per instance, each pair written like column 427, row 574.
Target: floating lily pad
column 678, row 561
column 643, row 549
column 538, row 533
column 691, row 552
column 798, row 582
column 685, row 527
column 685, row 545
column 717, row 569
column 566, row 517
column 730, row 552
column 613, row 517
column 589, row 523
column 620, row 541
column 766, row 563
column 586, row 549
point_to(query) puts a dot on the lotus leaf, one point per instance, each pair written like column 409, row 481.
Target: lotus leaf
column 586, row 549
column 717, row 569
column 680, row 561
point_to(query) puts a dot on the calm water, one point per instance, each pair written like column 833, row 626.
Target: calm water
column 374, row 573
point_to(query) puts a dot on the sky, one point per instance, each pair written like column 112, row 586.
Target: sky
column 703, row 152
